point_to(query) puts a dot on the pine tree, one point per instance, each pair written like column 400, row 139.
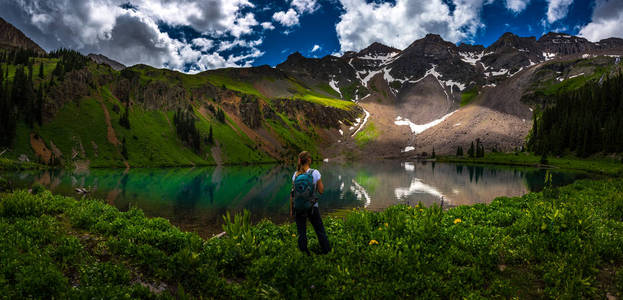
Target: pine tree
column 124, row 120
column 210, row 138
column 124, row 149
column 459, row 151
column 470, row 152
column 41, row 70
column 220, row 115
column 433, row 155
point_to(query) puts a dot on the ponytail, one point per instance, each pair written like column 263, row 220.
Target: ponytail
column 304, row 159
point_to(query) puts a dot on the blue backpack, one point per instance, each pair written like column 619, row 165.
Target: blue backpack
column 304, row 188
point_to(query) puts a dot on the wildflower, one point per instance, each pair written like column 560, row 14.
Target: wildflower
column 386, row 225
column 457, row 220
column 421, row 210
column 373, row 242
column 293, row 235
column 380, row 228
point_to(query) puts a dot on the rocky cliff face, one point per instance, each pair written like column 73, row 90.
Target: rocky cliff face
column 11, row 37
column 101, row 59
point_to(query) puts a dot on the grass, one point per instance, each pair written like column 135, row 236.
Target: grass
column 601, row 165
column 367, row 134
column 468, row 96
column 559, row 243
column 553, row 86
column 236, row 146
column 220, row 80
column 297, row 140
column 9, row 164
column 310, row 95
column 326, row 101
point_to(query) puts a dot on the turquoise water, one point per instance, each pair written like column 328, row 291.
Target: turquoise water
column 196, row 198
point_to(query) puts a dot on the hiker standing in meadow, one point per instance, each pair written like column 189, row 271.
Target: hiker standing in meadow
column 304, row 202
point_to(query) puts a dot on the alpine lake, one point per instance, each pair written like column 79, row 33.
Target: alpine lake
column 195, row 199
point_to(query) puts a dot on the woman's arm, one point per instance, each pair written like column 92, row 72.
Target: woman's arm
column 320, row 186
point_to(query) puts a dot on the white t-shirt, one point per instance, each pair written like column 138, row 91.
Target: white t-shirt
column 315, row 175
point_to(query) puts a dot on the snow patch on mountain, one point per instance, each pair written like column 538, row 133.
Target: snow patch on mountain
column 365, row 80
column 549, row 56
column 451, row 83
column 443, row 83
column 497, row 73
column 333, row 84
column 417, row 129
column 365, row 120
column 382, row 59
column 471, row 57
column 408, row 148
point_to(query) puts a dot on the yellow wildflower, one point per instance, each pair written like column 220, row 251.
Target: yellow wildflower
column 386, row 225
column 373, row 242
column 457, row 220
column 293, row 235
column 421, row 210
column 380, row 228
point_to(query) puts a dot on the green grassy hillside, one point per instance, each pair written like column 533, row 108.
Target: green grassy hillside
column 88, row 129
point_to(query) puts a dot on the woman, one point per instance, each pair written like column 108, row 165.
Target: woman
column 312, row 214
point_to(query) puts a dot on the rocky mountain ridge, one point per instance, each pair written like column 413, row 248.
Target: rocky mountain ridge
column 101, row 59
column 11, row 37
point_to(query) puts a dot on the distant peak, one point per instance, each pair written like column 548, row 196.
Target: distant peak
column 377, row 48
column 295, row 55
column 433, row 38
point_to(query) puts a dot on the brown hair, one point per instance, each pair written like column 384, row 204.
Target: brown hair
column 304, row 158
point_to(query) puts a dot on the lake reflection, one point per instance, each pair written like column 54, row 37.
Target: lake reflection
column 195, row 199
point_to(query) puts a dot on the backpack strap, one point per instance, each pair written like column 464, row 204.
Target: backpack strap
column 310, row 171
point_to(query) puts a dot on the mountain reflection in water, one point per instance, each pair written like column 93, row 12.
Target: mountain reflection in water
column 196, row 198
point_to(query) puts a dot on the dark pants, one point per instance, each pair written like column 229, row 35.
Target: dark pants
column 316, row 221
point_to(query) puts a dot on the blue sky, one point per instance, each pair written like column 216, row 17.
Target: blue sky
column 193, row 36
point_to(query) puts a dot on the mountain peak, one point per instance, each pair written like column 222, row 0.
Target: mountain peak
column 511, row 40
column 431, row 37
column 295, row 56
column 378, row 48
column 11, row 37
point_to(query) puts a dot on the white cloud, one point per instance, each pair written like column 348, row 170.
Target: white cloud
column 401, row 23
column 133, row 36
column 557, row 9
column 288, row 19
column 215, row 61
column 303, row 6
column 203, row 43
column 606, row 21
column 267, row 25
column 227, row 45
column 209, row 17
column 315, row 48
column 517, row 6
